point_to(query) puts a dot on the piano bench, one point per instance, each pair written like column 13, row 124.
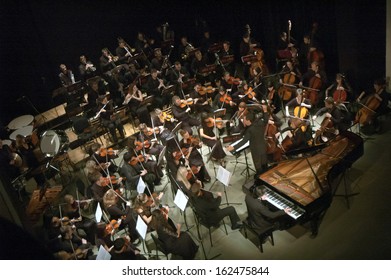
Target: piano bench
column 262, row 237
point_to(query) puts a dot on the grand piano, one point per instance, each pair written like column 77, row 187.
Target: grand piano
column 305, row 183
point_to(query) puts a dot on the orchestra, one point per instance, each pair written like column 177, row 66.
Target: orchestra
column 213, row 95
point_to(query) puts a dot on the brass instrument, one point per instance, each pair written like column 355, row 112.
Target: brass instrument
column 189, row 47
column 129, row 50
column 110, row 55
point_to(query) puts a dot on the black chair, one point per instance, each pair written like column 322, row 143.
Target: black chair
column 264, row 235
column 160, row 246
column 83, row 129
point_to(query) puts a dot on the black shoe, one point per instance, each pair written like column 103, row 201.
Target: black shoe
column 238, row 225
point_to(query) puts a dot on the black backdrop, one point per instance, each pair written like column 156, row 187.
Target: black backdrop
column 36, row 36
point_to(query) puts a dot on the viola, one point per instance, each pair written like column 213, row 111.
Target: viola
column 107, row 152
column 218, row 122
column 250, row 93
column 206, row 90
column 234, row 81
column 112, row 180
column 136, row 159
column 183, row 152
column 186, row 102
column 226, row 98
column 112, row 226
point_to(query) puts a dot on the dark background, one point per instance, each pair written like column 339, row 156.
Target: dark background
column 36, row 36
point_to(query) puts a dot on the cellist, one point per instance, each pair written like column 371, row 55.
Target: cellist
column 289, row 75
column 340, row 90
column 300, row 104
column 314, row 80
column 374, row 104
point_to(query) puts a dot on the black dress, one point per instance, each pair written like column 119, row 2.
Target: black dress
column 217, row 151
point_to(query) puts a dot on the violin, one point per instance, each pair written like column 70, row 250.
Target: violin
column 218, row 122
column 141, row 145
column 192, row 172
column 151, row 131
column 113, row 226
column 234, row 81
column 250, row 93
column 186, row 102
column 183, row 152
column 227, row 99
column 136, row 159
column 107, row 152
column 112, row 180
column 206, row 90
column 165, row 117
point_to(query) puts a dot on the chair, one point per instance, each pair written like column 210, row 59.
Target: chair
column 201, row 220
column 82, row 128
column 160, row 246
column 267, row 233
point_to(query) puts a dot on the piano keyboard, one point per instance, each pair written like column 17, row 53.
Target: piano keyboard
column 281, row 203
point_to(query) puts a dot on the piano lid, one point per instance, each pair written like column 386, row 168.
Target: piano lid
column 305, row 179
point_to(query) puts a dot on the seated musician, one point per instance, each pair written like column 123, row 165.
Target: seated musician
column 260, row 217
column 141, row 160
column 106, row 61
column 198, row 63
column 299, row 135
column 159, row 62
column 210, row 139
column 144, row 204
column 122, row 214
column 103, row 157
column 72, row 210
column 122, row 51
column 101, row 185
column 181, row 111
column 86, row 68
column 236, row 124
column 109, row 119
column 333, row 113
column 133, row 99
column 227, row 51
column 176, row 241
column 124, row 250
column 292, row 70
column 273, row 99
column 66, row 76
column 72, row 246
column 314, row 78
column 8, row 161
column 379, row 105
column 340, row 90
column 300, row 104
column 164, row 120
column 191, row 144
column 208, row 207
column 149, row 137
column 154, row 87
column 201, row 101
column 224, row 100
column 229, row 82
column 245, row 93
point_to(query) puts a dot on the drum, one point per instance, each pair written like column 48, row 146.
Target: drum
column 53, row 142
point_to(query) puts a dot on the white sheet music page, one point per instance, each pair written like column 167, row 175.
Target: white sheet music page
column 103, row 254
column 141, row 227
column 181, row 200
column 140, row 185
column 98, row 213
column 223, row 175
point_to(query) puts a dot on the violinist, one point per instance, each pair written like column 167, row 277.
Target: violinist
column 164, row 120
column 109, row 119
column 209, row 138
column 103, row 157
column 181, row 111
column 373, row 105
column 124, row 250
column 148, row 140
column 229, row 82
column 272, row 97
column 144, row 204
column 72, row 210
column 123, row 215
column 133, row 99
column 224, row 100
column 191, row 144
column 340, row 90
column 134, row 168
column 99, row 186
column 176, row 241
column 72, row 246
column 201, row 101
column 236, row 124
column 315, row 80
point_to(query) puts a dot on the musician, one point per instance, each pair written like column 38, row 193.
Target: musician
column 122, row 51
column 224, row 100
column 175, row 241
column 154, row 87
column 237, row 125
column 72, row 210
column 133, row 73
column 183, row 51
column 133, row 99
column 147, row 134
column 117, row 211
column 177, row 75
column 192, row 144
column 211, row 140
column 201, row 102
column 124, row 250
column 72, row 246
column 208, row 207
column 7, row 161
column 181, row 112
column 290, row 68
column 66, row 76
column 106, row 61
column 200, row 61
column 298, row 101
column 86, row 68
column 255, row 133
column 103, row 158
column 283, row 45
column 332, row 111
column 164, row 120
column 109, row 120
column 133, row 170
column 272, row 98
column 260, row 217
column 340, row 84
column 227, row 51
column 141, row 44
column 246, row 48
column 99, row 186
column 159, row 62
column 311, row 75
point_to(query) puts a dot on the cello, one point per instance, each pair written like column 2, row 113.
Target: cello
column 366, row 114
column 327, row 126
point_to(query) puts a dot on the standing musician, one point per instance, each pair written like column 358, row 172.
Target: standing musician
column 255, row 133
column 180, row 110
column 246, row 48
column 191, row 144
column 201, row 100
column 340, row 90
column 227, row 52
column 86, row 68
column 314, row 80
column 133, row 99
column 66, row 76
column 122, row 51
column 109, row 119
column 107, row 61
column 283, row 46
column 373, row 105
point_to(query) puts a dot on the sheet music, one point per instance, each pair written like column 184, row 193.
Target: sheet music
column 103, row 255
column 181, row 200
column 141, row 227
column 98, row 213
column 223, row 175
column 140, row 185
column 245, row 146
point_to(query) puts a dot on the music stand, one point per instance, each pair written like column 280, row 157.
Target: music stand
column 219, row 112
column 169, row 90
column 224, row 177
